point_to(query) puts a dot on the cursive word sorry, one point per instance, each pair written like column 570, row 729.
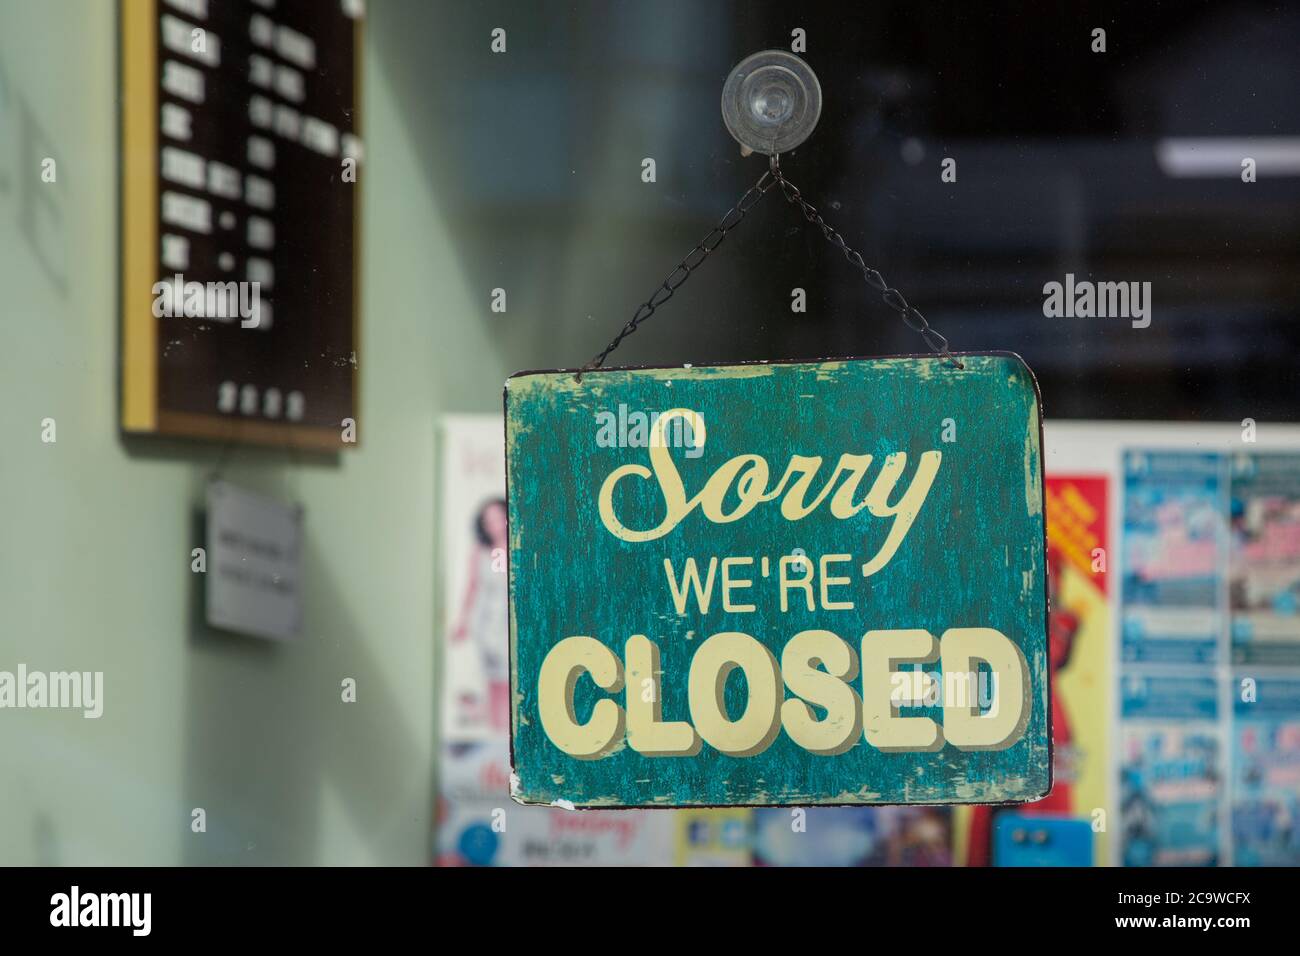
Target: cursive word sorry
column 749, row 476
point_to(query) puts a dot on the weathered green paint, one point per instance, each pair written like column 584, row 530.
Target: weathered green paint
column 974, row 558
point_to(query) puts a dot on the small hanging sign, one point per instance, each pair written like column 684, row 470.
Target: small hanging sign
column 778, row 584
column 254, row 563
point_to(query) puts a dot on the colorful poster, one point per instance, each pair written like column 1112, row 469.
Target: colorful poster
column 479, row 825
column 1174, row 557
column 715, row 837
column 1171, row 779
column 853, row 836
column 476, row 821
column 472, row 527
column 1266, row 773
column 1264, row 575
column 1079, row 634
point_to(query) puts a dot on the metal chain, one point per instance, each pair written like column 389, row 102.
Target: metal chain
column 689, row 264
column 912, row 318
column 773, row 177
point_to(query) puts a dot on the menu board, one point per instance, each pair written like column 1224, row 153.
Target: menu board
column 240, row 179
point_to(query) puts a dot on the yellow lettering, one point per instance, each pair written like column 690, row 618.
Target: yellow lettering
column 838, row 731
column 884, row 730
column 1004, row 724
column 755, row 729
column 803, row 564
column 647, row 732
column 749, row 475
column 564, row 664
column 908, row 506
column 728, row 583
column 690, row 579
column 829, row 582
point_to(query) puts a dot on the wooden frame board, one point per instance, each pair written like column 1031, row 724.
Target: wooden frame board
column 190, row 113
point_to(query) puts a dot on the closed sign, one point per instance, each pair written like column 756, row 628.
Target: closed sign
column 778, row 584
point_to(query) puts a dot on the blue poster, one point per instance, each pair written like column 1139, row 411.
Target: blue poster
column 1264, row 579
column 1266, row 774
column 1169, row 697
column 1170, row 772
column 1174, row 540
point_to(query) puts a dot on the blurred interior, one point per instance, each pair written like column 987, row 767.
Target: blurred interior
column 522, row 171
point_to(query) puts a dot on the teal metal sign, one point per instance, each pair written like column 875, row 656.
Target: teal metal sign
column 778, row 584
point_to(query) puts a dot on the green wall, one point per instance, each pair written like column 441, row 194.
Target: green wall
column 96, row 532
column 94, row 564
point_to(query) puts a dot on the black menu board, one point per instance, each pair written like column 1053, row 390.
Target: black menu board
column 241, row 168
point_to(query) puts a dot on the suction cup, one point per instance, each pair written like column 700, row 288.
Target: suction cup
column 771, row 102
